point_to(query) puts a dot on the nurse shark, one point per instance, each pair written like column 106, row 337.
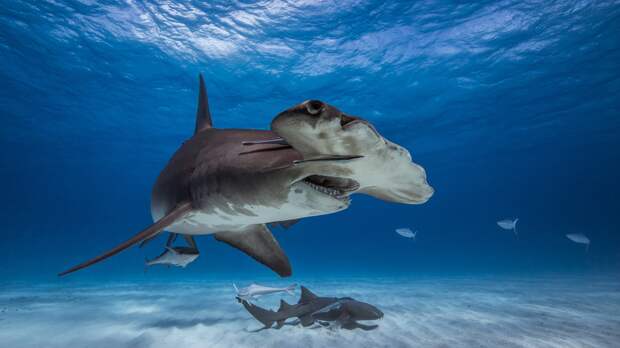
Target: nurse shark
column 233, row 182
column 344, row 312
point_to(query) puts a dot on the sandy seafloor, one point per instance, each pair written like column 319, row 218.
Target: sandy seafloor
column 430, row 312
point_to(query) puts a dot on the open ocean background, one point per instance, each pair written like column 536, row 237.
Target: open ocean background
column 512, row 107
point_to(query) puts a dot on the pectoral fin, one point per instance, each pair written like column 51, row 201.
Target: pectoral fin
column 306, row 320
column 155, row 228
column 258, row 242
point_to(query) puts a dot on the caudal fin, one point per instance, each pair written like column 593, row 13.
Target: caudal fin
column 515, row 226
column 155, row 228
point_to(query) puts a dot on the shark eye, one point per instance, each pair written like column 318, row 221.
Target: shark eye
column 314, row 107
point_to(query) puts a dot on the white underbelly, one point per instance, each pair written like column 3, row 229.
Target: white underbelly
column 198, row 222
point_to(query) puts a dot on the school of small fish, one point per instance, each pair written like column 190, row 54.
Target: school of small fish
column 509, row 225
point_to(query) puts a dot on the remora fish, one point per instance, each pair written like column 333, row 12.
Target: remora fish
column 175, row 256
column 255, row 291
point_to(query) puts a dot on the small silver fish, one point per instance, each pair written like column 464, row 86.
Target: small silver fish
column 579, row 238
column 406, row 232
column 508, row 224
column 255, row 291
column 175, row 256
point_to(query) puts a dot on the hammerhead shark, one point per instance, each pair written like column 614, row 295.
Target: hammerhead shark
column 233, row 182
column 343, row 312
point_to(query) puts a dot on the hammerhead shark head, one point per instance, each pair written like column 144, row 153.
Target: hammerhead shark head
column 344, row 312
column 233, row 182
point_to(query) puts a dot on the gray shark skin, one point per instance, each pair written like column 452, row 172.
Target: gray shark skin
column 343, row 312
column 233, row 182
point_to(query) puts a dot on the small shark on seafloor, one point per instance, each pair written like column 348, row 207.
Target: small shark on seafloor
column 343, row 312
column 255, row 291
column 232, row 183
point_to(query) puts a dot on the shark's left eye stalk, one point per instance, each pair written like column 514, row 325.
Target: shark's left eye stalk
column 314, row 107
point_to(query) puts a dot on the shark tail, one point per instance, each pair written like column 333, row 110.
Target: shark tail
column 515, row 224
column 236, row 289
column 266, row 317
column 155, row 228
column 514, row 227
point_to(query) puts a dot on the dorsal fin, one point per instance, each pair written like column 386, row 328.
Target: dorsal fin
column 203, row 115
column 283, row 306
column 306, row 295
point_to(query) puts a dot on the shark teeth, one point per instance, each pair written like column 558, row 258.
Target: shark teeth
column 326, row 190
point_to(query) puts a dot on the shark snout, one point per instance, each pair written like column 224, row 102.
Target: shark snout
column 377, row 313
column 364, row 311
column 426, row 192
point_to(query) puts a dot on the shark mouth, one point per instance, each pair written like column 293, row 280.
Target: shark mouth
column 338, row 188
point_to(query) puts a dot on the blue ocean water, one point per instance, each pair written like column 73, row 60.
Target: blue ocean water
column 512, row 107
